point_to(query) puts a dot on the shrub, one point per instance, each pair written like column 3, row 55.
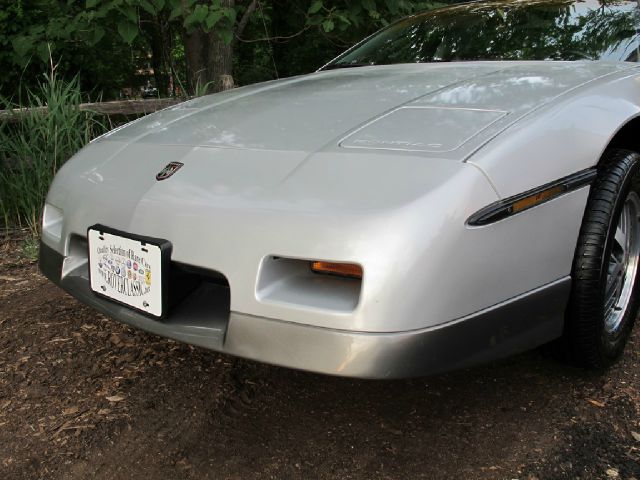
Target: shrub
column 40, row 134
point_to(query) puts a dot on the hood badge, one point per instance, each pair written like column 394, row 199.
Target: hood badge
column 169, row 170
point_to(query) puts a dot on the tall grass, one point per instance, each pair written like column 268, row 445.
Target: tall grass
column 35, row 144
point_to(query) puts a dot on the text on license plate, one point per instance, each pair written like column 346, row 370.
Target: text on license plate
column 126, row 270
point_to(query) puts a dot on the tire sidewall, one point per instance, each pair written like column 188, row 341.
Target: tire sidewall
column 613, row 343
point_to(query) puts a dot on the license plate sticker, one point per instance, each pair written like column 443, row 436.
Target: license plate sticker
column 127, row 270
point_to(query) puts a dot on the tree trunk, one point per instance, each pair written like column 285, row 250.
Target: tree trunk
column 154, row 32
column 219, row 59
column 194, row 56
column 220, row 64
column 209, row 59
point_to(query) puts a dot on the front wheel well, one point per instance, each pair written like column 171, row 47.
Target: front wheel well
column 628, row 137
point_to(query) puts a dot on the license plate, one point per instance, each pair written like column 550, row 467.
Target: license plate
column 129, row 269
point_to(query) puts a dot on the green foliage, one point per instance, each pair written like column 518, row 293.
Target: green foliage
column 86, row 44
column 306, row 35
column 128, row 31
column 201, row 89
column 30, row 248
column 33, row 147
column 343, row 15
column 208, row 17
column 107, row 41
column 189, row 15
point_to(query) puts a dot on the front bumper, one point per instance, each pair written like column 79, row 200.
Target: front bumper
column 204, row 319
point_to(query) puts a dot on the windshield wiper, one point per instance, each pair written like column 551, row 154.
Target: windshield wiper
column 347, row 65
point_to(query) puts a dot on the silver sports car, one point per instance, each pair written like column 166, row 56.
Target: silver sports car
column 458, row 187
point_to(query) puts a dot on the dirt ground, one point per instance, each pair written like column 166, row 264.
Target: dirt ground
column 82, row 396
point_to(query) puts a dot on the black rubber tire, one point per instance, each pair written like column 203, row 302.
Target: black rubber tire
column 585, row 339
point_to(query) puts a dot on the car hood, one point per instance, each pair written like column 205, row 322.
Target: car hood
column 361, row 139
column 442, row 110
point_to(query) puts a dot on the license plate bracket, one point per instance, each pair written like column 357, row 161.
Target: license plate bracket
column 129, row 269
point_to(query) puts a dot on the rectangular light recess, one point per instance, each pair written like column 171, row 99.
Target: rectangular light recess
column 293, row 283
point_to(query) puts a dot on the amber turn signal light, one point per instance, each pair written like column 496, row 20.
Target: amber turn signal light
column 341, row 269
column 537, row 198
column 524, row 201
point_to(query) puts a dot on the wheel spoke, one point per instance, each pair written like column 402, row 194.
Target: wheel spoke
column 623, row 263
column 621, row 235
column 615, row 271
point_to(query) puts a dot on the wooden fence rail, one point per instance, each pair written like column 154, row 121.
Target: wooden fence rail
column 120, row 107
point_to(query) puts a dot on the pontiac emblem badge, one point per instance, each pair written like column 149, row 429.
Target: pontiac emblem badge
column 169, row 170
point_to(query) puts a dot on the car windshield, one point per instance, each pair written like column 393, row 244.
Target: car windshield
column 517, row 30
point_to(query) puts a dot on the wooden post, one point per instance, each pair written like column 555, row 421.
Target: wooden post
column 120, row 107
